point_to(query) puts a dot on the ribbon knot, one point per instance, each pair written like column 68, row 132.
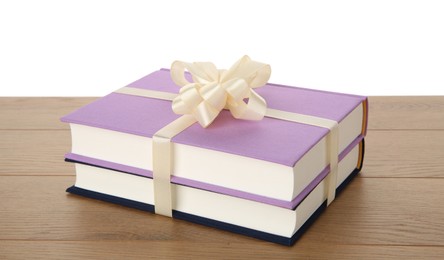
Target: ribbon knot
column 213, row 90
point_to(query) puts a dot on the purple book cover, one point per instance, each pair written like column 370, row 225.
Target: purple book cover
column 270, row 139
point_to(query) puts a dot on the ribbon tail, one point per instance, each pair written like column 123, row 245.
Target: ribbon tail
column 188, row 98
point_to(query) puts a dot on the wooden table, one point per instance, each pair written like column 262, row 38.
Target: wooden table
column 393, row 209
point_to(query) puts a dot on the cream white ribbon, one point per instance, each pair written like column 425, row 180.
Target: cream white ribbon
column 163, row 163
column 213, row 90
column 203, row 99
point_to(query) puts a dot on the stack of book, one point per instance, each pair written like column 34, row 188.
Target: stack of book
column 265, row 179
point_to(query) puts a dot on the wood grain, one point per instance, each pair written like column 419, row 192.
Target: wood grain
column 210, row 250
column 38, row 152
column 425, row 113
column 38, row 113
column 391, row 211
column 406, row 153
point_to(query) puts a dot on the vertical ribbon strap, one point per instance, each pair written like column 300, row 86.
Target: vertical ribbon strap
column 332, row 143
column 163, row 163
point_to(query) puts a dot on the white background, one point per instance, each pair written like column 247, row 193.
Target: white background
column 89, row 48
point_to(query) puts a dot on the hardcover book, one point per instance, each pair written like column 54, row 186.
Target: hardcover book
column 235, row 174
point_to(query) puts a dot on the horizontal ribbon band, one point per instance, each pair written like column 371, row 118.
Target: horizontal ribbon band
column 162, row 154
column 147, row 93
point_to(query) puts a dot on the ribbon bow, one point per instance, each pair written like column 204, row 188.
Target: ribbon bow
column 213, row 90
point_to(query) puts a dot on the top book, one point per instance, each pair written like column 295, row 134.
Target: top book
column 271, row 159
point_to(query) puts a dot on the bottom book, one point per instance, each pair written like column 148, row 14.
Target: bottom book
column 260, row 220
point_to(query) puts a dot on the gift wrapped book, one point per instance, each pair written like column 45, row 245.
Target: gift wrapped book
column 226, row 150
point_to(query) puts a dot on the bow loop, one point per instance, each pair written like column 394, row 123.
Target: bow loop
column 201, row 72
column 188, row 99
column 213, row 90
column 255, row 73
column 237, row 89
